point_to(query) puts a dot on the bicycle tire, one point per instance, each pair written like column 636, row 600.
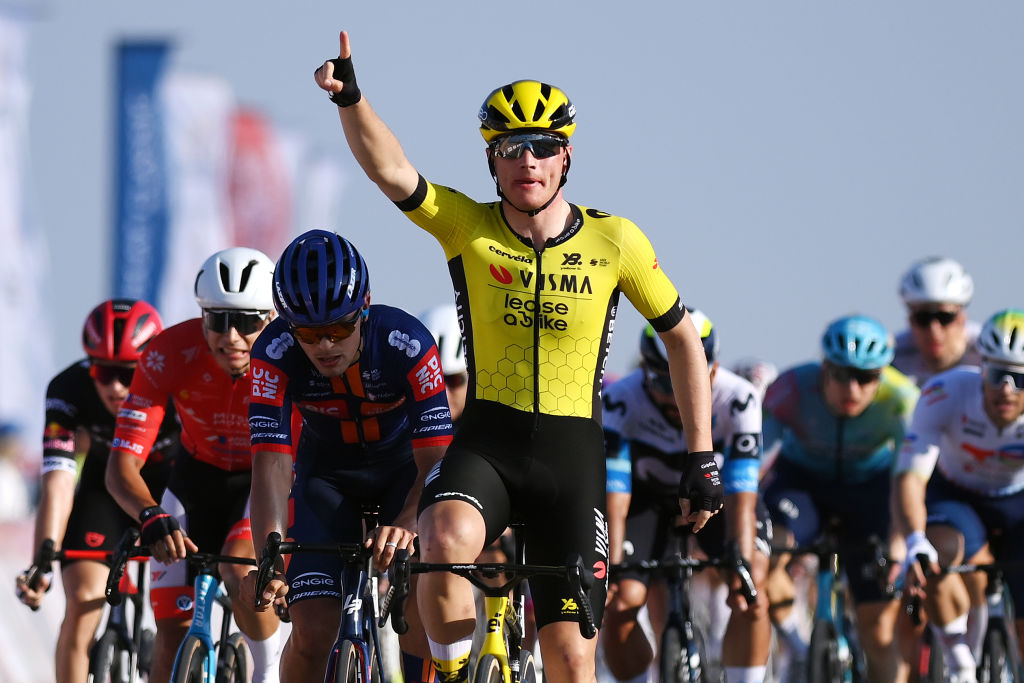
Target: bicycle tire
column 931, row 663
column 527, row 667
column 348, row 665
column 104, row 664
column 823, row 662
column 191, row 661
column 996, row 666
column 682, row 659
column 488, row 670
column 232, row 664
column 146, row 643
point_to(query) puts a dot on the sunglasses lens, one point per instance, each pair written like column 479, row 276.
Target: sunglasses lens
column 542, row 146
column 333, row 332
column 107, row 374
column 843, row 375
column 220, row 322
column 998, row 376
column 456, row 381
column 925, row 318
column 659, row 382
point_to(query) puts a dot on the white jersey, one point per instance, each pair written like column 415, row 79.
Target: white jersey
column 640, row 436
column 950, row 430
column 911, row 363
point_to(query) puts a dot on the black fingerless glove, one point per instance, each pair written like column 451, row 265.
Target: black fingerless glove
column 701, row 482
column 344, row 72
column 156, row 524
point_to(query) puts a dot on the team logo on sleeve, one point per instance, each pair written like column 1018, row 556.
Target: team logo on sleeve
column 280, row 344
column 267, row 384
column 155, row 361
column 426, row 379
column 403, row 342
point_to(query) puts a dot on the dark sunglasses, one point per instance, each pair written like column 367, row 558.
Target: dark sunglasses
column 925, row 318
column 107, row 374
column 658, row 381
column 245, row 322
column 332, row 332
column 456, row 381
column 843, row 375
column 998, row 375
column 541, row 145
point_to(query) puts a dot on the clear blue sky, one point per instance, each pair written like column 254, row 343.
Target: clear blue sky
column 787, row 159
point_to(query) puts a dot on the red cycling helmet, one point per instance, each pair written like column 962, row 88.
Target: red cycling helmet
column 118, row 330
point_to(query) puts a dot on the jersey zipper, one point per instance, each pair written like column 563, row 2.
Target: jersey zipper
column 536, row 341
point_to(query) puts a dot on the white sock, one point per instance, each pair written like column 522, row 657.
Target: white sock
column 745, row 674
column 266, row 658
column 790, row 629
column 953, row 637
column 977, row 622
column 449, row 656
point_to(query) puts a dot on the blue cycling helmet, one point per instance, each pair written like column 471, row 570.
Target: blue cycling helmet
column 857, row 341
column 320, row 278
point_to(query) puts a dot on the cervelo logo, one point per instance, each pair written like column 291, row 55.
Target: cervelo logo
column 129, row 414
column 515, row 257
column 436, row 414
column 403, row 342
column 264, row 383
column 277, row 347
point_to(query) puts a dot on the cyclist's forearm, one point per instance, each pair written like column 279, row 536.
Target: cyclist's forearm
column 690, row 382
column 741, row 520
column 908, row 505
column 378, row 151
column 618, row 510
column 125, row 483
column 57, row 494
column 268, row 497
column 425, row 459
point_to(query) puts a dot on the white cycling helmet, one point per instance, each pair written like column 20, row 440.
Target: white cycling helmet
column 443, row 323
column 937, row 280
column 757, row 371
column 236, row 278
column 1002, row 337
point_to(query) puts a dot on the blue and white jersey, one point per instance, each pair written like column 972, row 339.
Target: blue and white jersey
column 642, row 445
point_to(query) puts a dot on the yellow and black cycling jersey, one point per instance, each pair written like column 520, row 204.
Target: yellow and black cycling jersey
column 541, row 318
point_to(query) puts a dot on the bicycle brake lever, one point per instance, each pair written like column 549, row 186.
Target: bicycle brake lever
column 581, row 579
column 265, row 569
column 393, row 603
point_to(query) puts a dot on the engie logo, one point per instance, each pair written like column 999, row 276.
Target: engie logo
column 266, row 384
column 426, row 378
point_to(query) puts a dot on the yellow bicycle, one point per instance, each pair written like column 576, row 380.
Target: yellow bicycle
column 501, row 658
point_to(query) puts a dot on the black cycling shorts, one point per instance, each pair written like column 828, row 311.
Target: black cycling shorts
column 547, row 472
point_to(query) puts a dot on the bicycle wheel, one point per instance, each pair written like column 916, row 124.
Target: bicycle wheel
column 191, row 661
column 232, row 664
column 104, row 660
column 527, row 667
column 823, row 662
column 488, row 670
column 931, row 665
column 682, row 659
column 146, row 651
column 348, row 665
column 996, row 665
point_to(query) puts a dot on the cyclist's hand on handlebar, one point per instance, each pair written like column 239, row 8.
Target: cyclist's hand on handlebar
column 385, row 540
column 920, row 552
column 274, row 594
column 164, row 536
column 700, row 489
column 33, row 597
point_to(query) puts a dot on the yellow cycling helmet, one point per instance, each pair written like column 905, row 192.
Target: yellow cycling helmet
column 527, row 105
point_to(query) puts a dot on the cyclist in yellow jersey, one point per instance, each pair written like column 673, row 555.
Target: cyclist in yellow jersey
column 536, row 284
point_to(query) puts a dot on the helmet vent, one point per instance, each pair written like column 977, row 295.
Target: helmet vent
column 118, row 332
column 518, row 111
column 225, row 277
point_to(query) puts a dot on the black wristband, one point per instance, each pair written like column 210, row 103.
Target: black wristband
column 344, row 72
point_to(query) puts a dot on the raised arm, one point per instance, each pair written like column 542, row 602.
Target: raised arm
column 372, row 143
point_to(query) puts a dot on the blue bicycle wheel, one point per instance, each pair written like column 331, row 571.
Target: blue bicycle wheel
column 190, row 666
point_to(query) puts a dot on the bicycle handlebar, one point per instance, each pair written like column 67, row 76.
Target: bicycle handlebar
column 275, row 547
column 733, row 561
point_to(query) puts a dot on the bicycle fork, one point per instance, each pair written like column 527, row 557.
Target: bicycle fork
column 206, row 589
